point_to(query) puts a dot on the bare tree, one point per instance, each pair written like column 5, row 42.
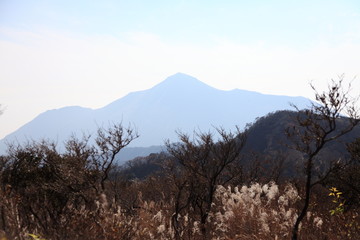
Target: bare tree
column 110, row 141
column 332, row 116
column 347, row 178
column 52, row 185
column 202, row 164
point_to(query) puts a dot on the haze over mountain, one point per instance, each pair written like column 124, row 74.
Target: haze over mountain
column 179, row 103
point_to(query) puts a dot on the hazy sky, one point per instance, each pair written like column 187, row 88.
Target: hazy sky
column 88, row 53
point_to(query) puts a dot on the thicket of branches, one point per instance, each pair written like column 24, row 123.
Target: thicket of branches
column 203, row 187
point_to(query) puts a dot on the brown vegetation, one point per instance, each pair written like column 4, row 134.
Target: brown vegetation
column 204, row 187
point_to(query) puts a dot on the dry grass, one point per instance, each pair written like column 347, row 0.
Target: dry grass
column 245, row 212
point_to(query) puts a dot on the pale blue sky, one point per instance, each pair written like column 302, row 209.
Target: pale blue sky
column 295, row 23
column 89, row 53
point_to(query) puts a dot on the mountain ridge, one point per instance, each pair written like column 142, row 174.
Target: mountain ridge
column 180, row 102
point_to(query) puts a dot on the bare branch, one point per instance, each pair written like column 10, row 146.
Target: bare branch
column 110, row 141
column 334, row 115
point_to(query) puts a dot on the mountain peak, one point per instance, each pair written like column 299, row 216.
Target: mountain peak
column 181, row 81
column 180, row 75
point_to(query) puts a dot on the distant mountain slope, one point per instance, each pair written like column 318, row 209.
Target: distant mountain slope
column 266, row 142
column 180, row 102
column 267, row 134
column 130, row 153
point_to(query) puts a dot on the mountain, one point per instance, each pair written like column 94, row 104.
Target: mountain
column 179, row 103
column 130, row 153
column 267, row 143
column 267, row 135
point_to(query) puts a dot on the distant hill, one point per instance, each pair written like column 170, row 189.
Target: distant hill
column 267, row 134
column 133, row 152
column 180, row 102
column 267, row 142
